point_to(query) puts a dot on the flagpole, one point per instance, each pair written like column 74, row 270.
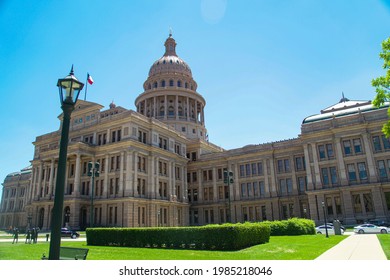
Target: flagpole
column 86, row 86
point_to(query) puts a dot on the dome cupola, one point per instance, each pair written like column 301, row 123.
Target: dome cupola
column 170, row 62
column 170, row 94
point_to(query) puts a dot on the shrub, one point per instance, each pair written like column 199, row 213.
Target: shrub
column 211, row 237
column 293, row 226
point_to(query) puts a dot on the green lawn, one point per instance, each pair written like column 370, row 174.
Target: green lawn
column 306, row 247
column 384, row 239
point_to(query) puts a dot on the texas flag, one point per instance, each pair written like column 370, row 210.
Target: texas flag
column 89, row 79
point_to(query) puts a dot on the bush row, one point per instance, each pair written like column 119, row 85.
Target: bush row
column 211, row 237
column 293, row 226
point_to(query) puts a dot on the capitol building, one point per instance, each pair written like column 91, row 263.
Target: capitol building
column 157, row 167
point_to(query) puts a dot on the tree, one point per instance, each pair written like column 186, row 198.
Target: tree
column 382, row 84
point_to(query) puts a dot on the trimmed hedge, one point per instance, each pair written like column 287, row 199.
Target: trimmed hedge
column 293, row 226
column 211, row 237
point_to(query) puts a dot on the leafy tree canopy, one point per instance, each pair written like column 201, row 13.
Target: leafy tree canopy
column 382, row 84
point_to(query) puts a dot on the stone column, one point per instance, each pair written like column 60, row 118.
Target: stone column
column 121, row 174
column 380, row 203
column 170, row 180
column 188, row 109
column 348, row 207
column 215, row 187
column 370, row 159
column 51, row 178
column 129, row 189
column 40, row 182
column 135, row 182
column 340, row 162
column 317, row 177
column 165, row 107
column 77, row 176
column 308, row 167
column 151, row 178
column 196, row 111
column 273, row 177
column 105, row 183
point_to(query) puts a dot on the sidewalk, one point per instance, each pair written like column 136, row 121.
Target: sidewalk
column 356, row 247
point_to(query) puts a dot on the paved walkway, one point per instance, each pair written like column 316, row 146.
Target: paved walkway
column 356, row 247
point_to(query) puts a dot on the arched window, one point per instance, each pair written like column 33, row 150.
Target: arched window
column 171, row 83
column 178, row 83
column 186, row 85
column 171, row 111
column 162, row 111
column 163, row 83
column 180, row 111
column 155, row 85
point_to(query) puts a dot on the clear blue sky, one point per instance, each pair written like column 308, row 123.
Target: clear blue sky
column 262, row 65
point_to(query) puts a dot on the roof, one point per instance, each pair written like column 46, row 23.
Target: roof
column 344, row 108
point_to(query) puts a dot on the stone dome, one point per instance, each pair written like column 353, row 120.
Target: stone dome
column 170, row 62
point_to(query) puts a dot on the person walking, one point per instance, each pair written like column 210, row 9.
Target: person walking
column 28, row 237
column 16, row 235
column 32, row 237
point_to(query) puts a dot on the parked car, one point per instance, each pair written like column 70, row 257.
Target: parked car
column 66, row 232
column 322, row 229
column 370, row 228
column 379, row 223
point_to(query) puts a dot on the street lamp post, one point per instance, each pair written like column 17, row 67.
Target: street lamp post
column 69, row 90
column 326, row 226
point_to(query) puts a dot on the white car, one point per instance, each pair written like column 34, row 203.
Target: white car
column 370, row 228
column 322, row 229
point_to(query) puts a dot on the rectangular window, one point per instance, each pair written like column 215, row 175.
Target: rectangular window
column 260, row 168
column 386, row 142
column 368, row 203
column 300, row 163
column 347, row 147
column 280, row 166
column 321, row 151
column 329, row 150
column 362, row 171
column 243, row 190
column 220, row 172
column 382, row 170
column 256, row 189
column 351, row 173
column 242, row 170
column 248, row 170
column 194, row 176
column 325, row 177
column 282, row 186
column 289, row 185
column 262, row 188
column 254, row 169
column 249, row 189
column 329, row 207
column 357, row 146
column 337, row 202
column 377, row 143
column 333, row 175
column 287, row 165
column 302, row 184
column 387, row 197
column 356, row 203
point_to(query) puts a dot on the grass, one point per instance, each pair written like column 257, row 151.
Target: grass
column 306, row 247
column 384, row 239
